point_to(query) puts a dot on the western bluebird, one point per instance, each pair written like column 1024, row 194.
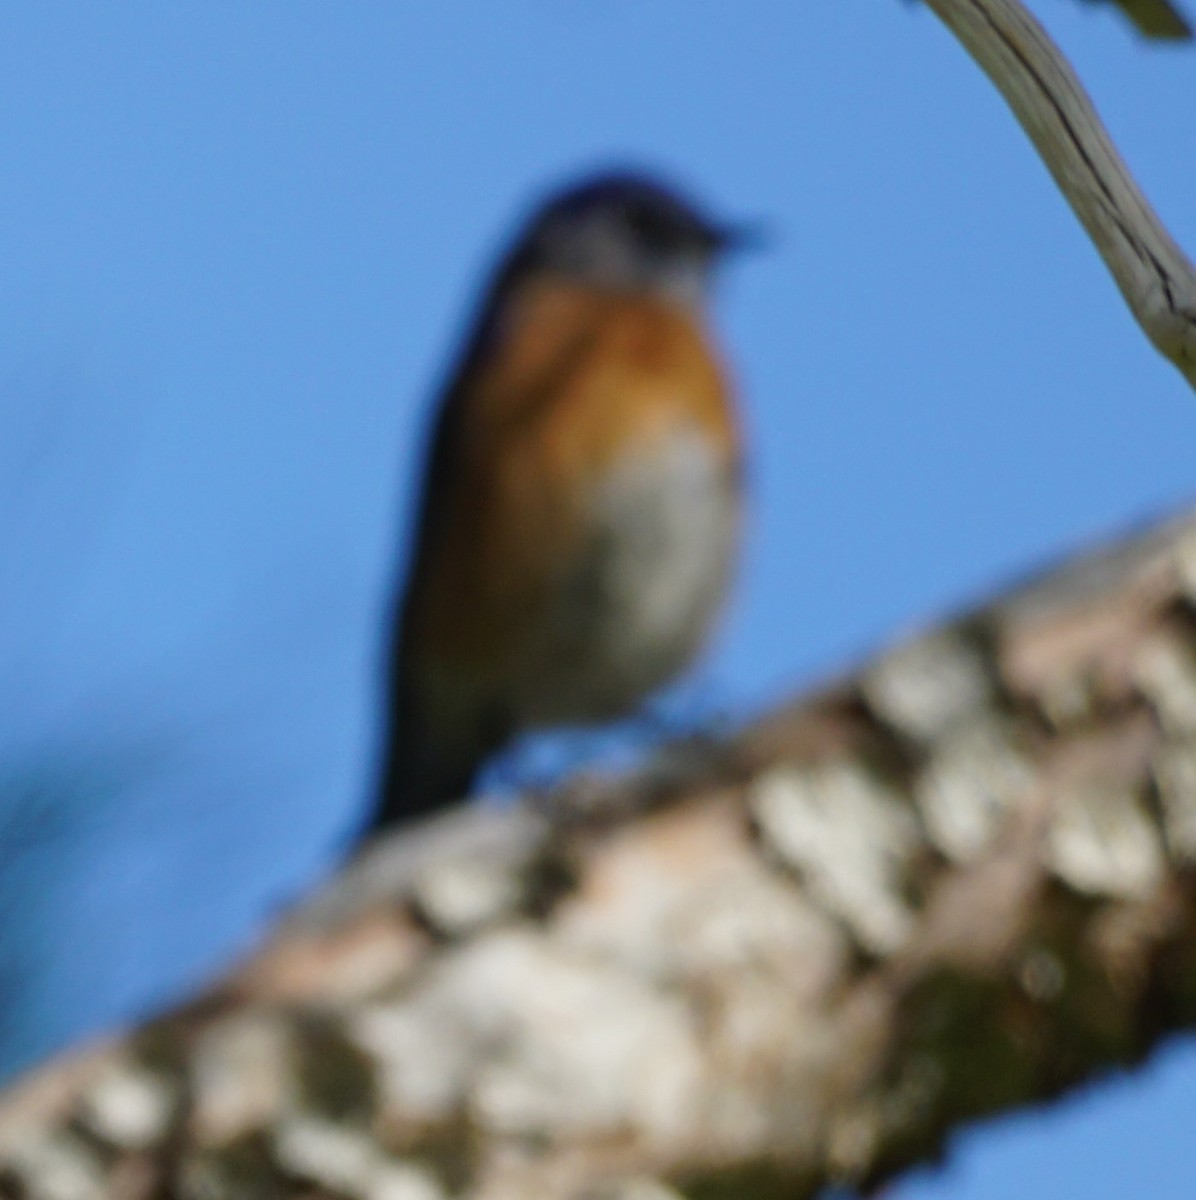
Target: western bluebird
column 582, row 496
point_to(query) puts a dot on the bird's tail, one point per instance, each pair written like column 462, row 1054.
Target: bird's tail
column 424, row 768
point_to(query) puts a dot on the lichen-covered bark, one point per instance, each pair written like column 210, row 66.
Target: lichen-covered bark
column 956, row 883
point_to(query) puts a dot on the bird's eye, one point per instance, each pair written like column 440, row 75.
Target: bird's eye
column 651, row 230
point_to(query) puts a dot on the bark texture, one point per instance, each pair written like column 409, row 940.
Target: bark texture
column 953, row 884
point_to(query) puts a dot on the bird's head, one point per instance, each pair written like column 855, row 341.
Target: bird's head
column 629, row 232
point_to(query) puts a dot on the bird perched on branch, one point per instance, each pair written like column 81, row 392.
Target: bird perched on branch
column 581, row 501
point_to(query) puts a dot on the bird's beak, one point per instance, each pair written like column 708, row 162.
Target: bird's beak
column 742, row 237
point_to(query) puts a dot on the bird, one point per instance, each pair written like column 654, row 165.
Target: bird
column 582, row 494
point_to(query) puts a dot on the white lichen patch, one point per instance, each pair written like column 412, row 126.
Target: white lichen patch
column 538, row 1041
column 755, row 922
column 240, row 1076
column 850, row 837
column 977, row 776
column 1101, row 841
column 423, row 1055
column 55, row 1166
column 347, row 1160
column 458, row 896
column 686, row 895
column 1183, row 556
column 926, row 685
column 769, row 1052
column 389, row 869
column 337, row 1156
column 1175, row 779
column 394, row 1180
column 1166, row 673
column 128, row 1105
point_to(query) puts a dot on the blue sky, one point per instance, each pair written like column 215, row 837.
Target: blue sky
column 237, row 246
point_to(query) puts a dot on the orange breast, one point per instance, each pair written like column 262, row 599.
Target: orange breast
column 577, row 380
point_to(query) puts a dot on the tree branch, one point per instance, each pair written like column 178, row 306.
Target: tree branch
column 1158, row 19
column 956, row 883
column 1155, row 277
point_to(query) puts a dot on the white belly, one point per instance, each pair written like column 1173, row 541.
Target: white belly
column 638, row 602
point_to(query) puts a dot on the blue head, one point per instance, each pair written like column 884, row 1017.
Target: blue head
column 627, row 232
